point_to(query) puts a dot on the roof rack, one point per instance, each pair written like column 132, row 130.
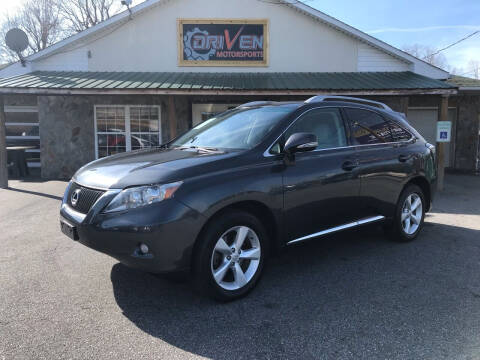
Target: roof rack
column 321, row 98
column 257, row 103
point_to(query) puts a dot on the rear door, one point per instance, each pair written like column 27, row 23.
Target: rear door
column 321, row 188
column 383, row 161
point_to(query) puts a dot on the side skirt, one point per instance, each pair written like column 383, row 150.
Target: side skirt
column 339, row 228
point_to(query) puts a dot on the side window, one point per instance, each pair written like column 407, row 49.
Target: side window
column 399, row 133
column 368, row 127
column 326, row 124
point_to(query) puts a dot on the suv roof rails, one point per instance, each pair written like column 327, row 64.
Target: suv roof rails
column 321, row 98
column 258, row 103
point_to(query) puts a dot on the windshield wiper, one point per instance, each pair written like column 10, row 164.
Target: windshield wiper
column 199, row 148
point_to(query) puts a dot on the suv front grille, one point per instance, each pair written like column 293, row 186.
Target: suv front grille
column 85, row 198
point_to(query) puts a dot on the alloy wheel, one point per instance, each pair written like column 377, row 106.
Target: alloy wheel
column 235, row 258
column 412, row 212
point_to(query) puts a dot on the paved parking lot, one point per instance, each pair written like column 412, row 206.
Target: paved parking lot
column 350, row 296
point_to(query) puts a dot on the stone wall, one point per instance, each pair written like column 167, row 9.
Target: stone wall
column 467, row 127
column 67, row 134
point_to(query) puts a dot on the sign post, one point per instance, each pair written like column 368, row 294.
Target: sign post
column 444, row 129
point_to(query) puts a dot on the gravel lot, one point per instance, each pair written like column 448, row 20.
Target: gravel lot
column 350, row 296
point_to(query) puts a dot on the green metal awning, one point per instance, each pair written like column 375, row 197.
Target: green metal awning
column 63, row 82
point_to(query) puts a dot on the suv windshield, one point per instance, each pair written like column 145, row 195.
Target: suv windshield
column 240, row 128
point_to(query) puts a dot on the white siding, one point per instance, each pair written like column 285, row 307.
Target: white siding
column 73, row 60
column 297, row 42
column 371, row 59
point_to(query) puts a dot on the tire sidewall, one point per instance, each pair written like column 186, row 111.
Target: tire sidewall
column 203, row 275
column 400, row 233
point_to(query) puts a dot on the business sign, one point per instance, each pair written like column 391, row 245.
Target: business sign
column 223, row 42
column 444, row 131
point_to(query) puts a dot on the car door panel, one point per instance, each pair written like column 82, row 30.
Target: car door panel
column 319, row 193
column 321, row 187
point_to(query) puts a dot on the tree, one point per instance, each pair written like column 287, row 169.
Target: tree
column 474, row 68
column 79, row 15
column 40, row 20
column 427, row 54
column 48, row 21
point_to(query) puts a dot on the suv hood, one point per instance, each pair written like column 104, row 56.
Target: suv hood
column 147, row 167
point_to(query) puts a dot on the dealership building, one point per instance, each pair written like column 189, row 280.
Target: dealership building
column 146, row 75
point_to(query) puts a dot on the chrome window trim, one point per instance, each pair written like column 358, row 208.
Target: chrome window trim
column 338, row 228
column 267, row 153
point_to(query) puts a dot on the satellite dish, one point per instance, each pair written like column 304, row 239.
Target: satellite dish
column 16, row 40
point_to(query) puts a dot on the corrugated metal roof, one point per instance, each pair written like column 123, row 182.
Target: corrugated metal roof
column 238, row 81
column 462, row 81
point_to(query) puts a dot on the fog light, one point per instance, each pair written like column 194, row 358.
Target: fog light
column 143, row 248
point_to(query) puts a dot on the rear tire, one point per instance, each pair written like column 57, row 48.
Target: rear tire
column 409, row 215
column 229, row 259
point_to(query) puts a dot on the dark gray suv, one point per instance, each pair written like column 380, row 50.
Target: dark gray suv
column 264, row 175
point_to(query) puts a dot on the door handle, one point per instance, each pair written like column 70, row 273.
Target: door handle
column 349, row 165
column 403, row 158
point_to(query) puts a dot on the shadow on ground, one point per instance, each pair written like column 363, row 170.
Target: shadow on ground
column 355, row 295
column 36, row 193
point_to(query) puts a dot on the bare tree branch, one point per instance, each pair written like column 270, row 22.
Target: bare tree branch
column 427, row 54
column 79, row 15
column 40, row 20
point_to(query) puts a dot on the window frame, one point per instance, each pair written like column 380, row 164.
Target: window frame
column 349, row 134
column 128, row 132
column 386, row 119
column 351, row 125
column 281, row 138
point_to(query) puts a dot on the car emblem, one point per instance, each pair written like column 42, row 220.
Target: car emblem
column 74, row 197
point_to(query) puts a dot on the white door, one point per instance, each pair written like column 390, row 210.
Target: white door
column 424, row 120
column 202, row 112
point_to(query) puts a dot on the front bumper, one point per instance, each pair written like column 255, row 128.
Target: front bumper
column 169, row 229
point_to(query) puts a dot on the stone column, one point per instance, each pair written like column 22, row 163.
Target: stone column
column 3, row 148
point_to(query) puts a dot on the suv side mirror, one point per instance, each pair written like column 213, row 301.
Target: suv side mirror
column 300, row 142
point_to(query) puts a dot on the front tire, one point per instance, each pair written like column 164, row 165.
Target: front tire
column 409, row 215
column 230, row 257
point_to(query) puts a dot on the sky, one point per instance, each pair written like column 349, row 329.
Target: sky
column 435, row 23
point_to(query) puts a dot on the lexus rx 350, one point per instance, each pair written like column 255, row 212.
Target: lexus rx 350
column 217, row 199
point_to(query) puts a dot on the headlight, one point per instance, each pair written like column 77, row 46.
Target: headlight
column 142, row 195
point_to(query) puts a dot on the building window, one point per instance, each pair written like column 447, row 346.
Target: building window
column 120, row 128
column 22, row 132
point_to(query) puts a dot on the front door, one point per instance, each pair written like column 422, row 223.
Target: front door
column 321, row 187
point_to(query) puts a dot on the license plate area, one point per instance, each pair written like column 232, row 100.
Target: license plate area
column 69, row 230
